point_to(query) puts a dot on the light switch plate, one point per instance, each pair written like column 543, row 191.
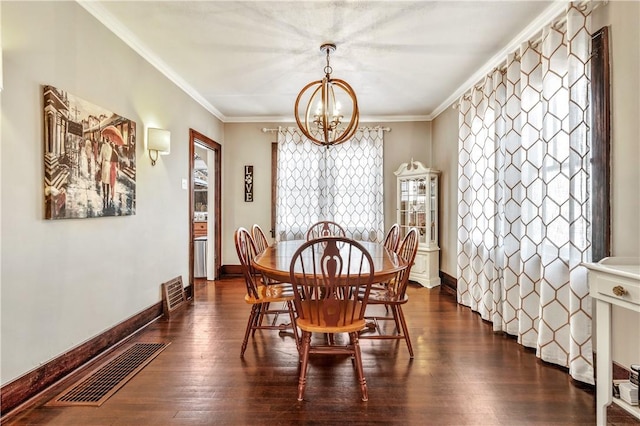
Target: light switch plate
column 184, row 184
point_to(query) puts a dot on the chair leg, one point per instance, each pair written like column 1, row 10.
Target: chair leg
column 294, row 327
column 262, row 309
column 275, row 315
column 405, row 328
column 256, row 322
column 395, row 317
column 250, row 325
column 358, row 358
column 304, row 356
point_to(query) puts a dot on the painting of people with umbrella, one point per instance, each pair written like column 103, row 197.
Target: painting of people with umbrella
column 109, row 163
column 90, row 170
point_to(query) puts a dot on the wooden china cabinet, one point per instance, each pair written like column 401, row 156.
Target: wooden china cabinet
column 418, row 207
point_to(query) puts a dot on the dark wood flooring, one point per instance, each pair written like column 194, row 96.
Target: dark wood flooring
column 462, row 374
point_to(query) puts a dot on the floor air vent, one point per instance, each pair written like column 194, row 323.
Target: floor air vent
column 173, row 296
column 98, row 386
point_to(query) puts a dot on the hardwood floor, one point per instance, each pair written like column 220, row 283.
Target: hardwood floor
column 462, row 374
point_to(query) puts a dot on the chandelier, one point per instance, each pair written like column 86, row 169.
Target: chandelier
column 326, row 125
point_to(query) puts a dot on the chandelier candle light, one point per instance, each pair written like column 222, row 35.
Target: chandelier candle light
column 326, row 126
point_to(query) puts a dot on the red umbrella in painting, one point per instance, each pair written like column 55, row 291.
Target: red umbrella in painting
column 112, row 133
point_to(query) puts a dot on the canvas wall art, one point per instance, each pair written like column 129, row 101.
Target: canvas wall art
column 89, row 159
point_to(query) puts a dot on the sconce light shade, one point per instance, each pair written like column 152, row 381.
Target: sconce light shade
column 158, row 143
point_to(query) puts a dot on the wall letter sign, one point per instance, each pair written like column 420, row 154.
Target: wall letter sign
column 248, row 184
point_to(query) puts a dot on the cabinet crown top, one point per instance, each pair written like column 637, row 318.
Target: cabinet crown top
column 414, row 167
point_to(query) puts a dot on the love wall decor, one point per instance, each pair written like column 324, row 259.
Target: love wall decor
column 248, row 184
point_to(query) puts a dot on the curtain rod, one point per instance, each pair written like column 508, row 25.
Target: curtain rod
column 384, row 129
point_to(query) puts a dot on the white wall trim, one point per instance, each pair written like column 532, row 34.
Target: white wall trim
column 363, row 119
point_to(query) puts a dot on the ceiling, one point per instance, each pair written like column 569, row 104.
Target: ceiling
column 247, row 60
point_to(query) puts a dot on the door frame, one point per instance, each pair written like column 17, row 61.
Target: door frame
column 217, row 208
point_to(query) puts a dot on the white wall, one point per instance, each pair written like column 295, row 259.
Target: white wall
column 66, row 281
column 445, row 158
column 624, row 20
column 246, row 144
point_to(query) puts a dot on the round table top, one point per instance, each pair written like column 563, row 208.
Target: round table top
column 275, row 261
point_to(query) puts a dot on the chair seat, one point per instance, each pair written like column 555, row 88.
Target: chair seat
column 383, row 286
column 386, row 297
column 271, row 293
column 379, row 286
column 316, row 324
column 269, row 281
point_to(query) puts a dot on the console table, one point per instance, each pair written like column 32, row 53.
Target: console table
column 612, row 281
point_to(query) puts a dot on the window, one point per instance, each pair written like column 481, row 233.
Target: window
column 342, row 183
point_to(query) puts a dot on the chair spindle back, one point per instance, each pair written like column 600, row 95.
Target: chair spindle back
column 325, row 228
column 327, row 275
column 247, row 250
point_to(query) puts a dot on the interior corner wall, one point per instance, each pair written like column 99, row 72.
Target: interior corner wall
column 246, row 144
column 445, row 158
column 66, row 281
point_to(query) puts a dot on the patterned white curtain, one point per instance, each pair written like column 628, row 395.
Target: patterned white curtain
column 524, row 212
column 342, row 183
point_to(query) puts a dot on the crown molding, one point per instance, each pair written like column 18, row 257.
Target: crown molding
column 534, row 28
column 261, row 119
column 394, row 118
column 116, row 27
column 363, row 119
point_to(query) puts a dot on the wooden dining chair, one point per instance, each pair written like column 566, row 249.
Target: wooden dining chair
column 325, row 228
column 259, row 296
column 392, row 239
column 327, row 275
column 259, row 238
column 393, row 296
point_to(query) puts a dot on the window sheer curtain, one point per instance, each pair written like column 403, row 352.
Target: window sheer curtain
column 524, row 212
column 343, row 183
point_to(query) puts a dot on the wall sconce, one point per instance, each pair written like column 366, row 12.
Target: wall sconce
column 158, row 143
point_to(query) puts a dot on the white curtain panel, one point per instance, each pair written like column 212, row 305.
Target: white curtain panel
column 343, row 183
column 524, row 208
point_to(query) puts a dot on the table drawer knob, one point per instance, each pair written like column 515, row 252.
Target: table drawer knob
column 619, row 290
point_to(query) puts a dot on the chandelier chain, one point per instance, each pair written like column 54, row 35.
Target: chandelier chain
column 328, row 70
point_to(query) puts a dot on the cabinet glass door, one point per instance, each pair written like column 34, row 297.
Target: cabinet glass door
column 413, row 206
column 417, row 207
column 432, row 210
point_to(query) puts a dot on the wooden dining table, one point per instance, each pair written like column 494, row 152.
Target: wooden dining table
column 274, row 262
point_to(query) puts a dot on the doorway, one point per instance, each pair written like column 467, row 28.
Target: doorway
column 205, row 220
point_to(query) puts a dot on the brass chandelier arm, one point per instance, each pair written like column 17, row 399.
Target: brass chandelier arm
column 303, row 127
column 353, row 123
